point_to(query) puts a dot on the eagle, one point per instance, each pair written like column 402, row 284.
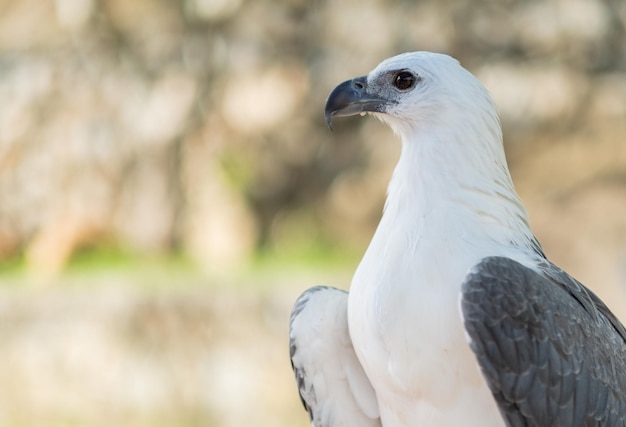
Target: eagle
column 455, row 316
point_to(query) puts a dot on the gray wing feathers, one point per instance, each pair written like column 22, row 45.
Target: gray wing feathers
column 552, row 353
column 332, row 384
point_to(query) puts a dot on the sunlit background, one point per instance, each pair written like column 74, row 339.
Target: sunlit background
column 168, row 186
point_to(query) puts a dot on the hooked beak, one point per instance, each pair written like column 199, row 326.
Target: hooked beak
column 352, row 97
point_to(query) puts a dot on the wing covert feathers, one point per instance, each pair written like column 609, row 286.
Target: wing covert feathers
column 333, row 386
column 552, row 353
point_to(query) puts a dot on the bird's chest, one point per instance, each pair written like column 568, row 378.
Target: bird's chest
column 406, row 326
column 404, row 316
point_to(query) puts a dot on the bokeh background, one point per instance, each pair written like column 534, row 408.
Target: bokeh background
column 168, row 186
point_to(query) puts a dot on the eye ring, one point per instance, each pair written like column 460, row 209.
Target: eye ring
column 404, row 80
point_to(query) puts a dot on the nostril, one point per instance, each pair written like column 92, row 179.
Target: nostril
column 358, row 85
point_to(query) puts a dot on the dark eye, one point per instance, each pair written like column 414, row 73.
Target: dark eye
column 404, row 80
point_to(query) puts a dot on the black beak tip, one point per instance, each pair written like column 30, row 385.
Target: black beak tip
column 328, row 115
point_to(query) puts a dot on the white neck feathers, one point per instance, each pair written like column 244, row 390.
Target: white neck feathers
column 460, row 167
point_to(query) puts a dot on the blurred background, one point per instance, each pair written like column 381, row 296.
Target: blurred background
column 168, row 186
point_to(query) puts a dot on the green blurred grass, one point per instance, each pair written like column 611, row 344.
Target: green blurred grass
column 106, row 264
